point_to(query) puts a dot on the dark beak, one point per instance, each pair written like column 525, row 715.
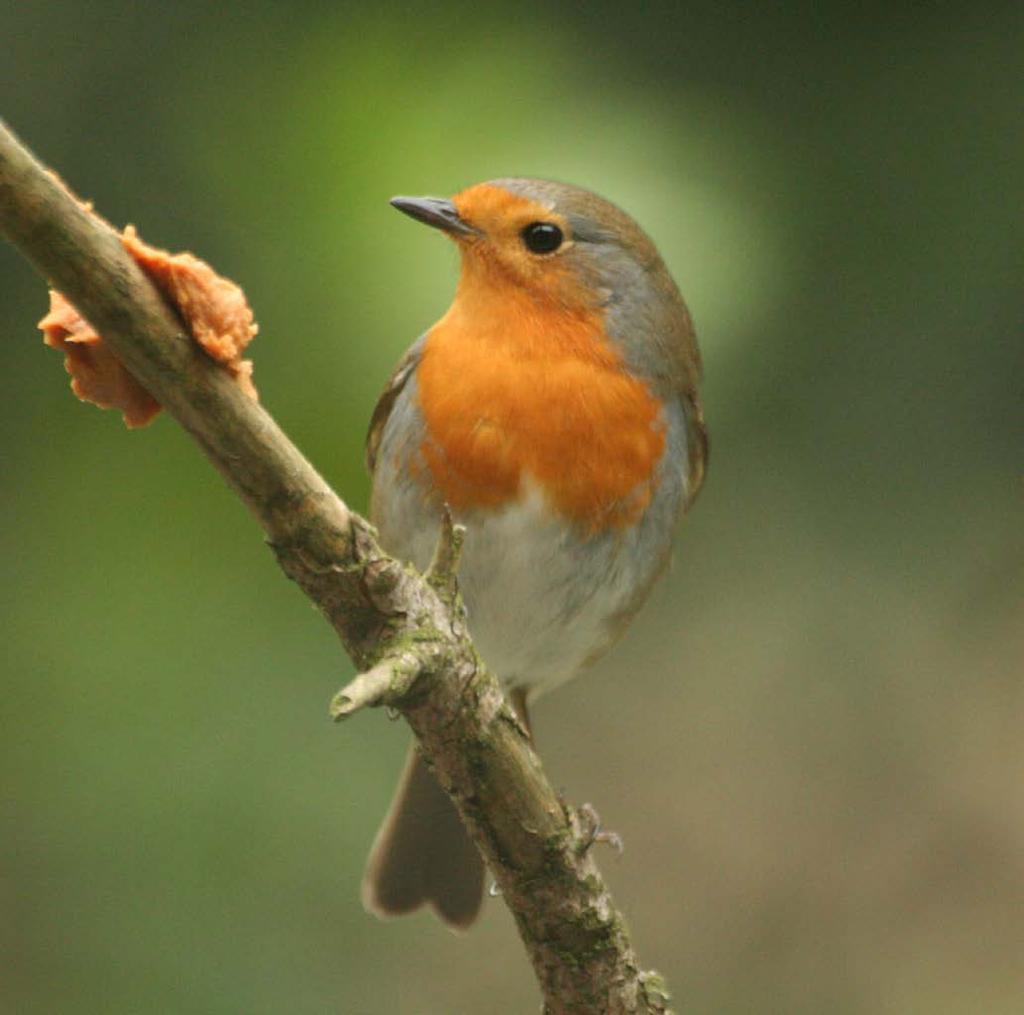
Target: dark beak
column 434, row 211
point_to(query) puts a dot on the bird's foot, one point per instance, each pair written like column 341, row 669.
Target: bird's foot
column 592, row 833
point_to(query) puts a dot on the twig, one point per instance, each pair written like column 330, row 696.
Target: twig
column 387, row 683
column 443, row 570
column 404, row 631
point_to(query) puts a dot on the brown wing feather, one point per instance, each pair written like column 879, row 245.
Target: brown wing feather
column 678, row 336
column 697, row 446
column 382, row 410
column 682, row 347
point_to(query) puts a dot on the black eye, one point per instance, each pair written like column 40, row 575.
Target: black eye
column 542, row 237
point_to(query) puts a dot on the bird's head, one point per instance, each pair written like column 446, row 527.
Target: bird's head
column 554, row 241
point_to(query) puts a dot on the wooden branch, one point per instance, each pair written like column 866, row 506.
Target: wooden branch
column 406, row 632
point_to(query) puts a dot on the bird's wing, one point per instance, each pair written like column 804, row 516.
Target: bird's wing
column 696, row 445
column 680, row 343
column 382, row 410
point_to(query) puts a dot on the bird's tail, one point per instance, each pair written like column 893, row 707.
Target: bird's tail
column 423, row 854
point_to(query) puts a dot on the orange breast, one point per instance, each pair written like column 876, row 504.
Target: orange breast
column 518, row 393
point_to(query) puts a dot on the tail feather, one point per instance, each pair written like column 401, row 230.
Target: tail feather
column 423, row 854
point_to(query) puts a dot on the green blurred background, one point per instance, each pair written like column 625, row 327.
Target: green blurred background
column 811, row 740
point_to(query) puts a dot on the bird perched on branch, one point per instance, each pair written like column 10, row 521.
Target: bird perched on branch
column 555, row 409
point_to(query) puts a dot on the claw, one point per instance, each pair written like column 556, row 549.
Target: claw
column 592, row 832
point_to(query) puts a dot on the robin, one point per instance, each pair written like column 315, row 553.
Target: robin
column 555, row 409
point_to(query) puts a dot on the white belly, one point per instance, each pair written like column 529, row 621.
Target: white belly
column 540, row 599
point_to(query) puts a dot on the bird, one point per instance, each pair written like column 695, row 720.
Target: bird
column 555, row 411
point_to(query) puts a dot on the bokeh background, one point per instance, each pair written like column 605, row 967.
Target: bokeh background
column 811, row 740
